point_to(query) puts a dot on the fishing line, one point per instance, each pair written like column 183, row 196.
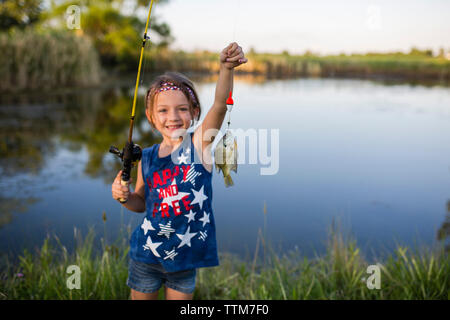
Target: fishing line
column 235, row 20
column 230, row 101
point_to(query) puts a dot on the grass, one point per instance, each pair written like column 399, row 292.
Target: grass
column 36, row 59
column 338, row 274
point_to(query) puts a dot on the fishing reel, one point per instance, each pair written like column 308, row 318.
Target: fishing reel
column 130, row 155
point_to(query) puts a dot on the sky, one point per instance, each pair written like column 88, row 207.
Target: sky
column 321, row 26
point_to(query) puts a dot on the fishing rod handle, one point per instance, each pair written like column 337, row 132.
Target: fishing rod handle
column 125, row 184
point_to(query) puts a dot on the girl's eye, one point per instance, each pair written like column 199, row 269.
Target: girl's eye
column 162, row 110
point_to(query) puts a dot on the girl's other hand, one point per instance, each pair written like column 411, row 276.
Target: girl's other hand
column 118, row 190
column 232, row 56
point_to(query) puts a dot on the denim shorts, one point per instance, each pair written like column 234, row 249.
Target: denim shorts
column 148, row 278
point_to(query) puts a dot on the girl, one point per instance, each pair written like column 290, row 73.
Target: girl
column 174, row 188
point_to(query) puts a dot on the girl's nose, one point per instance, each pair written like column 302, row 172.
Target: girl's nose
column 173, row 115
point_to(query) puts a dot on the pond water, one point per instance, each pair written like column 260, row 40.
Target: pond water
column 372, row 156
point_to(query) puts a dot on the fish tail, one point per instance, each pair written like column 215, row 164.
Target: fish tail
column 228, row 181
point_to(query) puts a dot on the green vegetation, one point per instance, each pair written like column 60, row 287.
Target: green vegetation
column 338, row 274
column 19, row 14
column 116, row 36
column 44, row 53
column 412, row 66
column 38, row 59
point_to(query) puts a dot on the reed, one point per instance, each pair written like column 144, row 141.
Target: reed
column 402, row 66
column 48, row 59
column 37, row 59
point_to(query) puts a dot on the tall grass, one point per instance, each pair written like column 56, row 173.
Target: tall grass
column 34, row 59
column 43, row 275
column 340, row 273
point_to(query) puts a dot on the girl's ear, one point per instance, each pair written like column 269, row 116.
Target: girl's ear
column 196, row 112
column 149, row 115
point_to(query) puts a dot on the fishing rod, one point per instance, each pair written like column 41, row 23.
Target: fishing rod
column 229, row 104
column 132, row 153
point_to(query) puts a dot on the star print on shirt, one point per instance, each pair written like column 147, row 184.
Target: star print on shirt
column 182, row 159
column 147, row 225
column 170, row 254
column 199, row 196
column 205, row 218
column 186, row 238
column 203, row 236
column 149, row 245
column 165, row 229
column 191, row 175
column 190, row 216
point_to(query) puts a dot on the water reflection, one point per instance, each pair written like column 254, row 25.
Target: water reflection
column 31, row 131
column 34, row 129
column 11, row 206
column 30, row 128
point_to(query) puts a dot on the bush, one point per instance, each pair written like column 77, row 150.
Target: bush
column 42, row 60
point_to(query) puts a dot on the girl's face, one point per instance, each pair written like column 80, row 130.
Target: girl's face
column 171, row 113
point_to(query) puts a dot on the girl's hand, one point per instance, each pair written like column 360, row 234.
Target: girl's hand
column 232, row 56
column 118, row 190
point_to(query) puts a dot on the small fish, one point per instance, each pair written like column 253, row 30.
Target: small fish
column 225, row 157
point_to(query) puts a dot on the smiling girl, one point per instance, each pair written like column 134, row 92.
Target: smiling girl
column 174, row 188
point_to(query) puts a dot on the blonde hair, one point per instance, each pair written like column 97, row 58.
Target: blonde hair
column 179, row 80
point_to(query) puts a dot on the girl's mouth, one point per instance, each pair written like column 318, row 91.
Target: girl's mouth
column 175, row 127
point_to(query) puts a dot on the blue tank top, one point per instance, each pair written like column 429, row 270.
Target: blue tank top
column 178, row 230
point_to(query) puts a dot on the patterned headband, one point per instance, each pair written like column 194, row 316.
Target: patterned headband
column 171, row 86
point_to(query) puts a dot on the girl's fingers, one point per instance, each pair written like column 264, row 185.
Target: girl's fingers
column 231, row 46
column 117, row 178
column 231, row 49
column 235, row 53
column 237, row 58
column 119, row 191
column 120, row 194
column 118, row 188
column 227, row 50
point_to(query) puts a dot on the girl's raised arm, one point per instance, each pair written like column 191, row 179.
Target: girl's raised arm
column 230, row 57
